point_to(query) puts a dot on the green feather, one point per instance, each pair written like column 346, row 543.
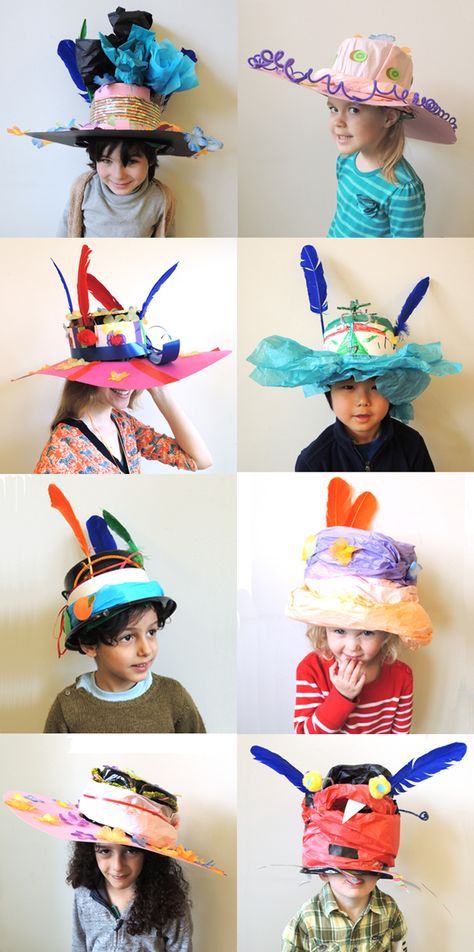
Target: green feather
column 120, row 530
column 83, row 32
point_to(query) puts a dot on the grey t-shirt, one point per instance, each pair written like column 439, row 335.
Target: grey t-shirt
column 107, row 215
column 96, row 927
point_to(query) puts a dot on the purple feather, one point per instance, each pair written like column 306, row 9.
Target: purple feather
column 315, row 282
column 101, row 538
column 67, row 52
column 411, row 302
column 63, row 282
column 426, row 766
column 156, row 287
column 281, row 766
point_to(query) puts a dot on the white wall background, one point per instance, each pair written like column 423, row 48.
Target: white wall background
column 287, row 181
column 35, row 903
column 197, row 304
column 437, row 853
column 187, row 532
column 36, row 183
column 275, row 423
column 276, row 514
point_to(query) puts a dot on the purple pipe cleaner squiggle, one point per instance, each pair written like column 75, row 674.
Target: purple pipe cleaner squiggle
column 275, row 62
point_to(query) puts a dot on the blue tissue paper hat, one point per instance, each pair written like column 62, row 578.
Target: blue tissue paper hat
column 356, row 343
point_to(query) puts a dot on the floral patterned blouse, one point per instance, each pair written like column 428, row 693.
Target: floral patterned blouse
column 68, row 450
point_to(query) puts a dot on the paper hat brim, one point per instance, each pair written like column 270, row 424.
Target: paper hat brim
column 314, row 870
column 139, row 373
column 407, row 619
column 62, row 820
column 424, row 125
column 166, row 142
column 168, row 606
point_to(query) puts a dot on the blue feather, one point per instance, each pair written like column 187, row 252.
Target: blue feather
column 426, row 766
column 411, row 302
column 101, row 538
column 281, row 766
column 63, row 281
column 67, row 52
column 156, row 287
column 315, row 282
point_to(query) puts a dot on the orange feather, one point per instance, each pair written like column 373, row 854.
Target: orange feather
column 362, row 511
column 339, row 502
column 59, row 502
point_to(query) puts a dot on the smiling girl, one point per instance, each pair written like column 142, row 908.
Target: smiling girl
column 92, row 432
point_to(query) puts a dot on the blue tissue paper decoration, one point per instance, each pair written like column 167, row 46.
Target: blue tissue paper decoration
column 143, row 61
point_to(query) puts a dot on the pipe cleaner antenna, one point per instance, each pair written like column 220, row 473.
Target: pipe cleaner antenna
column 102, row 540
column 156, row 287
column 411, row 302
column 279, row 765
column 82, row 287
column 102, row 295
column 440, row 758
column 63, row 282
column 123, row 533
column 315, row 281
column 59, row 502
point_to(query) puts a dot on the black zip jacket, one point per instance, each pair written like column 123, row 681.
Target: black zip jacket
column 402, row 450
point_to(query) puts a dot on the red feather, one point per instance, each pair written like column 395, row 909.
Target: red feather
column 102, row 295
column 59, row 502
column 362, row 511
column 339, row 502
column 82, row 288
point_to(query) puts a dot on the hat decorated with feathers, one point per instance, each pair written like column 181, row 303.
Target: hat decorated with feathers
column 127, row 78
column 116, row 346
column 351, row 817
column 107, row 580
column 357, row 343
column 356, row 578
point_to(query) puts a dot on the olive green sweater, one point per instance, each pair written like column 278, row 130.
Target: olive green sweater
column 166, row 708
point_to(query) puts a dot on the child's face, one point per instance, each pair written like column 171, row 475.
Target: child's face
column 122, row 179
column 355, row 644
column 119, row 865
column 358, row 128
column 121, row 665
column 360, row 407
column 350, row 886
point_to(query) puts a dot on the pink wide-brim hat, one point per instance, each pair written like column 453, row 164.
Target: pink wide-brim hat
column 138, row 373
column 371, row 71
column 62, row 819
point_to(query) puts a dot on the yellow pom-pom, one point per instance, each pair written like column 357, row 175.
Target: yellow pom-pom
column 313, row 781
column 342, row 552
column 308, row 547
column 379, row 787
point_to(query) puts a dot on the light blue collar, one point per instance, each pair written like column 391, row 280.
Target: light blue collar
column 87, row 681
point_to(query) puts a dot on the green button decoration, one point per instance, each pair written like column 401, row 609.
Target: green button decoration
column 393, row 73
column 359, row 56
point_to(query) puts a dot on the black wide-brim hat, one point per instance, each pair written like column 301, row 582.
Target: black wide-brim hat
column 166, row 141
column 94, row 598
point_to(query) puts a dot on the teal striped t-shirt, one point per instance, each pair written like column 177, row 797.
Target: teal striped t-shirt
column 370, row 207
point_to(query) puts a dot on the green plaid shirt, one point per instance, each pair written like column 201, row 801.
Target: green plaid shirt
column 320, row 926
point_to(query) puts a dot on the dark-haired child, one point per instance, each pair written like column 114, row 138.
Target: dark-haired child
column 128, row 898
column 120, row 198
column 113, row 613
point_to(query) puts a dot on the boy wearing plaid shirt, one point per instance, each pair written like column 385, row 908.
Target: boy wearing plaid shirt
column 350, row 914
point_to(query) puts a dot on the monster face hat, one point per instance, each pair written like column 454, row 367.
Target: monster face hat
column 116, row 346
column 351, row 817
column 107, row 581
column 371, row 71
column 116, row 807
column 128, row 78
column 355, row 578
column 357, row 343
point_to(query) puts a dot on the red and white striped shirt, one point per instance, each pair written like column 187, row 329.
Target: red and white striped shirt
column 384, row 706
